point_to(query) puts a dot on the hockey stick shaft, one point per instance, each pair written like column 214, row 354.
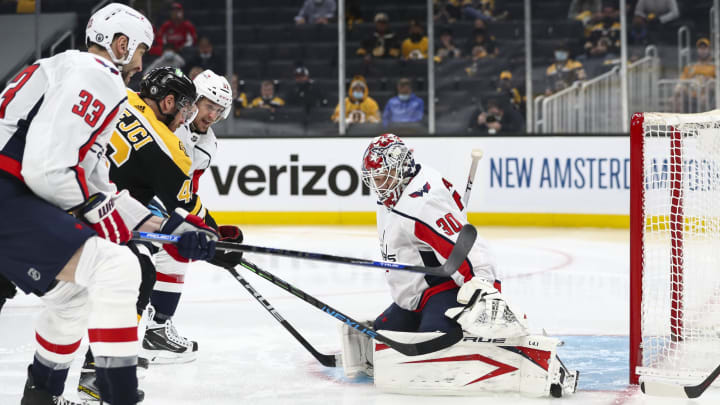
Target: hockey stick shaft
column 326, row 360
column 466, row 239
column 476, row 155
column 676, row 390
column 408, row 349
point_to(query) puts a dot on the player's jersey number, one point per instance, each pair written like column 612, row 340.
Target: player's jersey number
column 89, row 107
column 14, row 86
column 128, row 132
column 449, row 224
column 185, row 194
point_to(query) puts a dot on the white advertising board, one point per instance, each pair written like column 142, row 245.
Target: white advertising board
column 555, row 175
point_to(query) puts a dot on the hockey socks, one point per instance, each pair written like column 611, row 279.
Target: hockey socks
column 165, row 304
column 49, row 376
column 117, row 379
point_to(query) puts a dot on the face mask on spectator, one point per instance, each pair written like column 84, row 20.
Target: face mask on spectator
column 404, row 97
column 561, row 55
column 415, row 36
column 357, row 95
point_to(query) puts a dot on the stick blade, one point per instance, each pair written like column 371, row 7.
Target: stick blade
column 661, row 389
column 465, row 241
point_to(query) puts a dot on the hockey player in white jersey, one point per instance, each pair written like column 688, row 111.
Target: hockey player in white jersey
column 419, row 216
column 56, row 117
column 162, row 344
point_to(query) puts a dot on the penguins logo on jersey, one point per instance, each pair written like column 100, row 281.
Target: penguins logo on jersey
column 421, row 192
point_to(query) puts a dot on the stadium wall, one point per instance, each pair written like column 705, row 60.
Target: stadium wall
column 577, row 181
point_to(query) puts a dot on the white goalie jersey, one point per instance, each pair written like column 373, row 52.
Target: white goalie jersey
column 421, row 230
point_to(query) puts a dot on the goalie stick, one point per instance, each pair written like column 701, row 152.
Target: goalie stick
column 327, row 360
column 408, row 349
column 676, row 390
column 465, row 240
column 476, row 155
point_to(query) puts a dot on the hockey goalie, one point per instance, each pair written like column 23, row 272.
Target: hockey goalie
column 419, row 215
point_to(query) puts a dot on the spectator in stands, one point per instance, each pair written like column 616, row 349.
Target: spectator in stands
column 194, row 71
column 304, row 93
column 584, row 11
column 205, row 57
column 383, row 43
column 507, row 91
column 604, row 37
column 267, row 98
column 360, row 108
column 405, row 107
column 482, row 9
column 316, row 12
column 416, row 45
column 238, row 94
column 446, row 47
column 353, row 13
column 562, row 73
column 446, row 11
column 169, row 57
column 661, row 11
column 700, row 72
column 177, row 31
column 498, row 118
column 481, row 38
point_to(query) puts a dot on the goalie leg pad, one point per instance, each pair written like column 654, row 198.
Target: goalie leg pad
column 357, row 351
column 474, row 366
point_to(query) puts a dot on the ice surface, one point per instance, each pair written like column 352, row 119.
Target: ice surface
column 571, row 282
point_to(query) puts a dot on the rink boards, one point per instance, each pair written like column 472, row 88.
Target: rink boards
column 547, row 181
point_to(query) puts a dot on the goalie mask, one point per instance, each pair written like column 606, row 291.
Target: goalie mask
column 387, row 168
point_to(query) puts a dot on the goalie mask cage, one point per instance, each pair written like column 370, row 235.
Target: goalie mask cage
column 674, row 246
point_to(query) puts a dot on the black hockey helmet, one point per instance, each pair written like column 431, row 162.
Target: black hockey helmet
column 160, row 82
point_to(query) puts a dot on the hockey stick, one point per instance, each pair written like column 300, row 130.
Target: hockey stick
column 327, row 360
column 466, row 239
column 408, row 349
column 676, row 390
column 476, row 155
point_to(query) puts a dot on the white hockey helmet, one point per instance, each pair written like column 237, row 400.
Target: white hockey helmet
column 116, row 18
column 216, row 89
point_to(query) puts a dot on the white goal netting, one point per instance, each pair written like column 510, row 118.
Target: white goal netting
column 680, row 320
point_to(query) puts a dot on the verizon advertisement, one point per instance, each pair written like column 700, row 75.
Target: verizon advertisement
column 573, row 175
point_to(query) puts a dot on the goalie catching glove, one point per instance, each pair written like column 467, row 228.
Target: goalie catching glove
column 486, row 313
column 197, row 240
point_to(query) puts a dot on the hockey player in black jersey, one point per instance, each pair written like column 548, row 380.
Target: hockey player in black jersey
column 148, row 159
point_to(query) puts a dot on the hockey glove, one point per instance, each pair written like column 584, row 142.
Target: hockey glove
column 486, row 313
column 224, row 258
column 197, row 240
column 100, row 212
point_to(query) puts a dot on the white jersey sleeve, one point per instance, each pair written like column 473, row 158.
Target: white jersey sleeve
column 422, row 230
column 59, row 116
column 201, row 148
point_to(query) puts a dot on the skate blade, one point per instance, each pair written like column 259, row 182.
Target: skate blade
column 157, row 357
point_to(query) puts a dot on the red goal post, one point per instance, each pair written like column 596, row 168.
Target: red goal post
column 674, row 245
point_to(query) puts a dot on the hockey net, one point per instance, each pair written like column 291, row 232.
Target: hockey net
column 674, row 245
